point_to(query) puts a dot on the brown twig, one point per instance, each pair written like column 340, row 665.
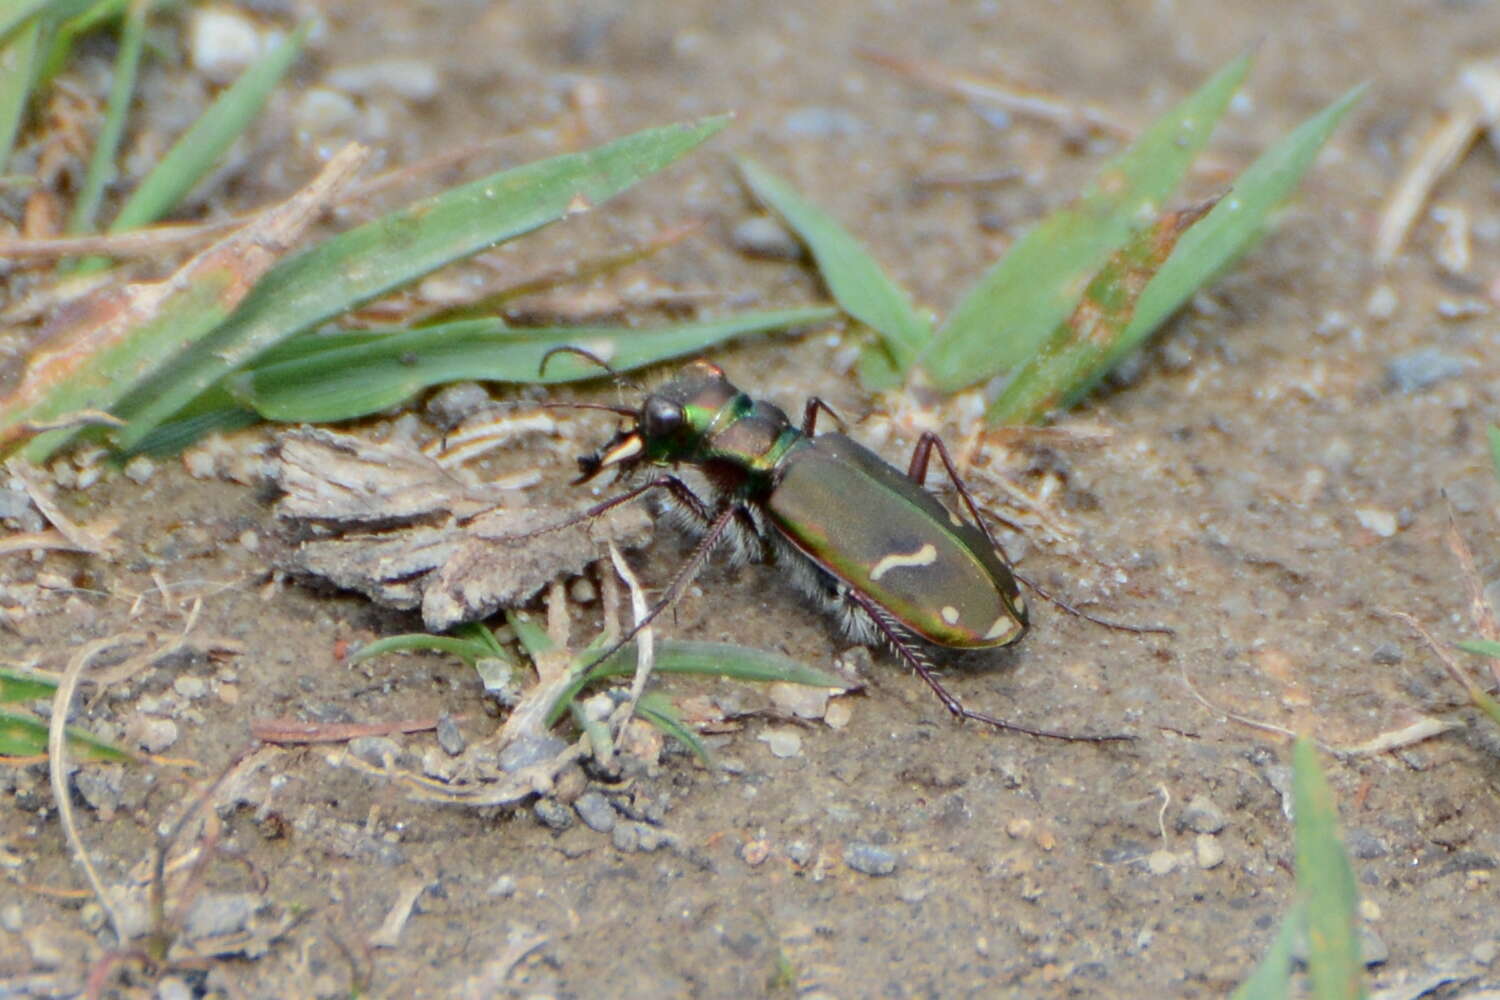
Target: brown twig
column 57, row 752
column 286, row 731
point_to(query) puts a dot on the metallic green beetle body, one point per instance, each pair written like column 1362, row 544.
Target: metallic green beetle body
column 883, row 535
column 868, row 542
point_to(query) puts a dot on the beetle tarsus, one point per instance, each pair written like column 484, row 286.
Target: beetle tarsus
column 918, row 661
column 1080, row 613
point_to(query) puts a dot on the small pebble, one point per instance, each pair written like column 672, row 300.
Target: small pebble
column 763, row 236
column 1454, row 247
column 190, row 687
column 596, row 812
column 376, row 751
column 454, row 403
column 870, row 859
column 626, row 836
column 12, row 918
column 154, row 733
column 249, row 541
column 88, row 477
column 839, row 713
column 172, row 988
column 525, row 752
column 783, row 742
column 1364, row 845
column 1381, row 305
column 799, row 852
column 1387, row 654
column 800, row 700
column 320, row 111
column 91, row 916
column 1208, row 851
column 822, row 123
column 1485, row 952
column 755, row 852
column 222, row 42
column 1161, row 862
column 504, row 886
column 229, row 694
column 140, row 469
column 1376, row 520
column 449, row 736
column 217, row 913
column 411, row 79
column 1422, row 369
column 1202, row 815
column 583, row 591
column 914, row 892
column 552, row 814
column 1455, row 310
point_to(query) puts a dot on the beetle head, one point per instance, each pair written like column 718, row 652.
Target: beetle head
column 670, row 423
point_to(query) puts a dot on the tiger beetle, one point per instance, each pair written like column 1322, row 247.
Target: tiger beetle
column 869, row 544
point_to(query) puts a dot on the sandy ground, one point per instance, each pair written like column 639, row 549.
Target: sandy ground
column 1272, row 486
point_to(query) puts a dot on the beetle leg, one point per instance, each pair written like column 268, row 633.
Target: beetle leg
column 679, row 490
column 901, row 644
column 1080, row 613
column 810, row 415
column 715, row 534
column 917, row 473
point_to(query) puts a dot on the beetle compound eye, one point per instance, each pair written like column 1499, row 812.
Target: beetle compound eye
column 661, row 418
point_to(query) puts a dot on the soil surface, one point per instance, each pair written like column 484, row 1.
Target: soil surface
column 1278, row 474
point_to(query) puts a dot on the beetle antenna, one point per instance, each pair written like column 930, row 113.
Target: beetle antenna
column 1079, row 613
column 567, row 404
column 580, row 352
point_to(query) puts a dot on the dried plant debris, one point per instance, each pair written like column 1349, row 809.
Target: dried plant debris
column 415, row 534
column 1471, row 106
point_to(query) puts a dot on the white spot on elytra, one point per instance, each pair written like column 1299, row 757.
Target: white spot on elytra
column 924, row 556
column 950, row 614
column 1004, row 625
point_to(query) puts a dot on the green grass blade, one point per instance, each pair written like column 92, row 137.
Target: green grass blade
column 1481, row 698
column 18, row 64
column 114, row 361
column 465, row 649
column 363, row 263
column 1035, row 286
column 1325, row 882
column 1235, row 224
column 22, row 685
column 26, row 736
column 1484, row 647
column 1494, row 434
column 185, row 428
column 708, row 659
column 375, row 373
column 16, row 12
column 1272, row 979
column 74, row 19
column 856, row 281
column 1076, row 351
column 101, row 169
column 479, row 634
column 657, row 709
column 532, row 637
column 194, row 154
